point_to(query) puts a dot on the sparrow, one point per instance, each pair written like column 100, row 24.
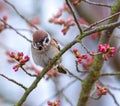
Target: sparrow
column 44, row 48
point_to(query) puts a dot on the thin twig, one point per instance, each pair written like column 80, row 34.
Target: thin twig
column 75, row 18
column 95, row 98
column 78, row 68
column 32, row 75
column 87, row 50
column 67, row 99
column 11, row 27
column 74, row 75
column 114, row 88
column 105, row 19
column 64, row 88
column 112, row 95
column 97, row 4
column 20, row 14
column 111, row 74
column 15, row 82
column 21, row 29
column 101, row 28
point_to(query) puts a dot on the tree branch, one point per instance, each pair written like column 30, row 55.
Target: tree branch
column 110, row 74
column 94, row 70
column 15, row 30
column 74, row 75
column 64, row 88
column 46, row 69
column 112, row 95
column 32, row 75
column 98, row 61
column 75, row 18
column 15, row 82
column 20, row 14
column 39, row 77
column 105, row 19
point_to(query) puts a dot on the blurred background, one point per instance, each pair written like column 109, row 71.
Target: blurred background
column 65, row 87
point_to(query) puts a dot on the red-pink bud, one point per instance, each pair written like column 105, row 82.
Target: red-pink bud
column 79, row 60
column 15, row 68
column 75, row 50
column 102, row 48
column 49, row 103
column 12, row 54
column 5, row 17
column 113, row 49
column 85, row 56
column 27, row 58
column 22, row 61
column 101, row 90
column 105, row 57
column 58, row 100
column 20, row 54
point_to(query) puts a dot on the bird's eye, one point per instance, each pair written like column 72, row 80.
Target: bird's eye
column 46, row 40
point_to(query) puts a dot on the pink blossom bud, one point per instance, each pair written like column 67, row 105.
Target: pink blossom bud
column 60, row 22
column 65, row 29
column 105, row 57
column 70, row 22
column 27, row 58
column 55, row 20
column 113, row 49
column 15, row 68
column 75, row 50
column 22, row 61
column 110, row 54
column 85, row 56
column 5, row 17
column 20, row 54
column 106, row 46
column 104, row 91
column 102, row 48
column 58, row 14
column 101, row 90
column 77, row 2
column 79, row 60
column 58, row 100
column 12, row 54
column 49, row 103
column 51, row 20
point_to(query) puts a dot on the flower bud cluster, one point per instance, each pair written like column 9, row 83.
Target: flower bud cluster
column 106, row 50
column 67, row 23
column 101, row 90
column 56, row 103
column 79, row 57
column 20, row 58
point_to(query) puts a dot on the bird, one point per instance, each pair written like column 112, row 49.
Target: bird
column 44, row 48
